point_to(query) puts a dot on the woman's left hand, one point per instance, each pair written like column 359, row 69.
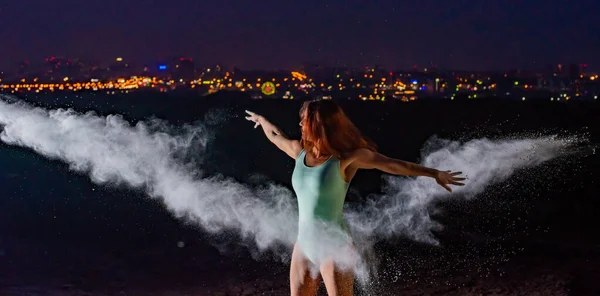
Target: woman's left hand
column 449, row 178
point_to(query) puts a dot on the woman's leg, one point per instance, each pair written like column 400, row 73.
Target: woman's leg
column 301, row 281
column 337, row 282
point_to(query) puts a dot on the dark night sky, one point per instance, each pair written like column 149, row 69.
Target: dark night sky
column 488, row 34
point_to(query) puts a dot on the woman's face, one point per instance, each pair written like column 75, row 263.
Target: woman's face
column 302, row 120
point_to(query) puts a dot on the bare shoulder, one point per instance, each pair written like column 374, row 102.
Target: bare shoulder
column 359, row 153
column 356, row 156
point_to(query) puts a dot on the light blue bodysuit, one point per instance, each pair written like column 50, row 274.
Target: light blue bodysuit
column 321, row 191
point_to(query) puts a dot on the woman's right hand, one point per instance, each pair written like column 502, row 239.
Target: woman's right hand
column 254, row 118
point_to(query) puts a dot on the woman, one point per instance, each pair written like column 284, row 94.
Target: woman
column 328, row 156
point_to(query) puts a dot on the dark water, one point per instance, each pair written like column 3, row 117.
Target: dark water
column 62, row 235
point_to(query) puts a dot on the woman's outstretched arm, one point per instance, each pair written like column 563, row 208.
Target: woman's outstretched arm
column 275, row 135
column 367, row 159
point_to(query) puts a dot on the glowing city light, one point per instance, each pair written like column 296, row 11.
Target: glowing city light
column 268, row 88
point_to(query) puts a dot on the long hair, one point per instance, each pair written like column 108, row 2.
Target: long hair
column 326, row 127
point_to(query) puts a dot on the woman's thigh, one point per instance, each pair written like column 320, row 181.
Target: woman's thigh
column 302, row 281
column 338, row 282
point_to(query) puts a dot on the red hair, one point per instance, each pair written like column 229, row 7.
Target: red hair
column 326, row 127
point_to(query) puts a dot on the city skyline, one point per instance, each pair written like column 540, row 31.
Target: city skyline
column 58, row 74
column 31, row 64
column 273, row 35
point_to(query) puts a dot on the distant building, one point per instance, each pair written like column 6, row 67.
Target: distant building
column 183, row 69
column 583, row 69
column 574, row 71
column 119, row 69
column 59, row 69
column 212, row 71
column 560, row 69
